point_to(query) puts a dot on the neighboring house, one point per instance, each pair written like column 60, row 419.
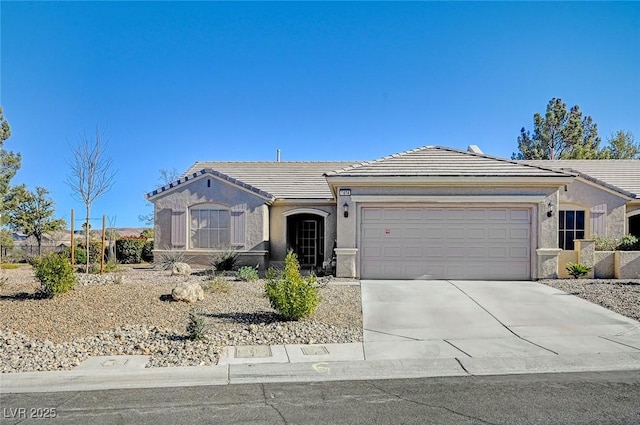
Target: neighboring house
column 432, row 212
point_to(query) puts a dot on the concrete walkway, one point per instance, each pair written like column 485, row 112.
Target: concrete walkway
column 412, row 329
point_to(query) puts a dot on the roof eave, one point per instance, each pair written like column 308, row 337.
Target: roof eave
column 269, row 198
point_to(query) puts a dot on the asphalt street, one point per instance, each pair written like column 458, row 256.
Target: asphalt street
column 561, row 398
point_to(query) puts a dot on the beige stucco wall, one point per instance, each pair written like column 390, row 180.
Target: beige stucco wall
column 278, row 226
column 218, row 192
column 544, row 229
column 583, row 195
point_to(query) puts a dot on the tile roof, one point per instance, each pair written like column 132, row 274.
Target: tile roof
column 621, row 174
column 284, row 180
column 437, row 161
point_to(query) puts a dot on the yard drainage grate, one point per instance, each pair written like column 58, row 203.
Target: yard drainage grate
column 314, row 351
column 251, row 351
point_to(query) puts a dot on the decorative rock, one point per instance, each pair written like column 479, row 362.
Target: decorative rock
column 182, row 269
column 189, row 292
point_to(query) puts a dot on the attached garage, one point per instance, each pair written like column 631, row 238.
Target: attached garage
column 445, row 243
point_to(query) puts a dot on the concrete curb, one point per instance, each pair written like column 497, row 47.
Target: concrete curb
column 86, row 379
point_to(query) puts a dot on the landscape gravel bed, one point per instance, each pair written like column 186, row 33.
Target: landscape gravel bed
column 621, row 296
column 131, row 312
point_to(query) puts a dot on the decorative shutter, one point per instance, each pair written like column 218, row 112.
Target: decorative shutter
column 238, row 225
column 178, row 229
column 599, row 220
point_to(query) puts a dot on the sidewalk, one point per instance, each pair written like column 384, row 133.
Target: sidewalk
column 300, row 363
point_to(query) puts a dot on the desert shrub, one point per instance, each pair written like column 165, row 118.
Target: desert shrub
column 629, row 243
column 224, row 260
column 147, row 251
column 112, row 265
column 603, row 243
column 79, row 254
column 218, row 284
column 247, row 273
column 195, row 326
column 55, row 273
column 578, row 270
column 129, row 250
column 295, row 297
column 167, row 259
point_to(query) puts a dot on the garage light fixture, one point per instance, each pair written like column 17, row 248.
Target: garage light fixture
column 550, row 209
column 345, row 207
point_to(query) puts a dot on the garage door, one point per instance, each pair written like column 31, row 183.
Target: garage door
column 445, row 243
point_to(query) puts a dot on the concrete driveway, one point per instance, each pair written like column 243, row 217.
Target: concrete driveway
column 480, row 319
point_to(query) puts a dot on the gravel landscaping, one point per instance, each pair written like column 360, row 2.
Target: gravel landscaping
column 621, row 296
column 133, row 313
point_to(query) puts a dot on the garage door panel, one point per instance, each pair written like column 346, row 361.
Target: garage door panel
column 477, row 233
column 519, row 234
column 445, row 243
column 519, row 215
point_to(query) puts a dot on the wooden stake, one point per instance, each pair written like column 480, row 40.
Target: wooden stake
column 104, row 232
column 73, row 245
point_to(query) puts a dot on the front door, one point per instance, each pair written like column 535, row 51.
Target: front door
column 305, row 236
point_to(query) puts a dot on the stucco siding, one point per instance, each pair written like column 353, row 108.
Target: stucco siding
column 278, row 226
column 581, row 195
column 210, row 190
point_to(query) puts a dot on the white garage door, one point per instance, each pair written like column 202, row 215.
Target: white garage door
column 446, row 243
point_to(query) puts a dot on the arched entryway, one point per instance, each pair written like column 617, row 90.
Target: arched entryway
column 634, row 224
column 305, row 236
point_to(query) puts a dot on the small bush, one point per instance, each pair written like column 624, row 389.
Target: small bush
column 79, row 255
column 55, row 274
column 129, row 250
column 147, row 251
column 9, row 266
column 629, row 243
column 603, row 243
column 578, row 270
column 112, row 266
column 195, row 327
column 223, row 261
column 218, row 284
column 167, row 259
column 247, row 273
column 293, row 296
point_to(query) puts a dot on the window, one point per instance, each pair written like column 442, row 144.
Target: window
column 571, row 227
column 210, row 227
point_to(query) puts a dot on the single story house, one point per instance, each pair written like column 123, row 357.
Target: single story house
column 432, row 212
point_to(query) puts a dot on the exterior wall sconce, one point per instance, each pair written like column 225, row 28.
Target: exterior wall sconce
column 551, row 208
column 345, row 207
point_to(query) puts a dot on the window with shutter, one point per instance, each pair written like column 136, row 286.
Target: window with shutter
column 599, row 220
column 238, row 226
column 178, row 229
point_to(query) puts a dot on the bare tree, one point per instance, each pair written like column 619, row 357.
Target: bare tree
column 91, row 174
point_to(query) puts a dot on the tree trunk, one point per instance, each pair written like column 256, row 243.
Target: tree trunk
column 87, row 230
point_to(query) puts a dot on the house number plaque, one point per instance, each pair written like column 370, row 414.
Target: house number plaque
column 345, row 192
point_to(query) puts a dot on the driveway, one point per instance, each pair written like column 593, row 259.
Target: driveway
column 461, row 319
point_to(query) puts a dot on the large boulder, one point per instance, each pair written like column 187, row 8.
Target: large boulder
column 181, row 269
column 189, row 292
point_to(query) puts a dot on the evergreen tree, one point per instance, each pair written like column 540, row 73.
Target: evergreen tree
column 559, row 134
column 9, row 161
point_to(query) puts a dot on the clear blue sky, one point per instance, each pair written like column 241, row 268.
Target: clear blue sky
column 177, row 82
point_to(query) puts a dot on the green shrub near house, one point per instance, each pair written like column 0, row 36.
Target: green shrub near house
column 578, row 270
column 295, row 297
column 55, row 273
column 629, row 243
column 247, row 273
